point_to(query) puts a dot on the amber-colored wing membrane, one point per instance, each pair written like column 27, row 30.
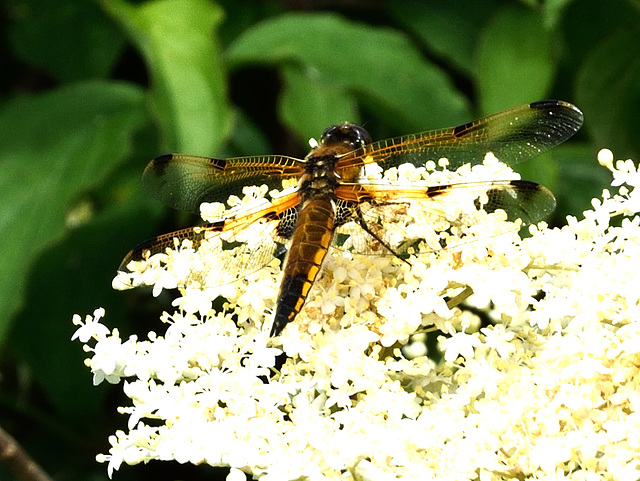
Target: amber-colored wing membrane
column 440, row 216
column 513, row 136
column 186, row 181
column 227, row 250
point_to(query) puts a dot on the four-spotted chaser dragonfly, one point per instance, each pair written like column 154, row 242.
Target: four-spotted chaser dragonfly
column 330, row 202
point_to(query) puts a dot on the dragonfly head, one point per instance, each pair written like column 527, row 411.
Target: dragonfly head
column 350, row 135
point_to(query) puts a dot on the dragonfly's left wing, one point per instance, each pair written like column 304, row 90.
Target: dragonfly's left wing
column 186, row 181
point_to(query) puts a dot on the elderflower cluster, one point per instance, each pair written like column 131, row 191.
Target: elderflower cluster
column 549, row 390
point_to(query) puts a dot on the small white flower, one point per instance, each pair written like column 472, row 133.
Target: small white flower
column 91, row 328
column 195, row 300
column 460, row 344
column 498, row 338
column 236, row 475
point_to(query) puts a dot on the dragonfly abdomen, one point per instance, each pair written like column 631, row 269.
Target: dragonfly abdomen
column 309, row 245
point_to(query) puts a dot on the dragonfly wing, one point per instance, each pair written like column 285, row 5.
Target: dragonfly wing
column 186, row 181
column 211, row 258
column 513, row 136
column 215, row 254
column 390, row 220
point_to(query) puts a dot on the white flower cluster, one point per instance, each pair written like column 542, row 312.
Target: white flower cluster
column 551, row 390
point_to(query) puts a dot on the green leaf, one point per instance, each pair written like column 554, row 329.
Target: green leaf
column 450, row 29
column 553, row 11
column 579, row 41
column 376, row 66
column 177, row 39
column 247, row 138
column 55, row 146
column 309, row 106
column 608, row 91
column 583, row 179
column 514, row 60
column 47, row 34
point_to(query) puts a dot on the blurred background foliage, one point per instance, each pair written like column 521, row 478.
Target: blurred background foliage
column 92, row 90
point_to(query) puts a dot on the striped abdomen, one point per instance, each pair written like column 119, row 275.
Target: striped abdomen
column 309, row 245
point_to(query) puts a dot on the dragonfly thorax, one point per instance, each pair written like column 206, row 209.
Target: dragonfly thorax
column 320, row 177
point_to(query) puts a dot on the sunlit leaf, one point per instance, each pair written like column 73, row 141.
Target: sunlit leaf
column 189, row 92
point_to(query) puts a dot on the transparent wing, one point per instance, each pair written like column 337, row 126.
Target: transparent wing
column 214, row 254
column 513, row 136
column 394, row 220
column 186, row 181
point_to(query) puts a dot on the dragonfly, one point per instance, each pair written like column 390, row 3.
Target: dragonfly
column 328, row 200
